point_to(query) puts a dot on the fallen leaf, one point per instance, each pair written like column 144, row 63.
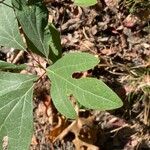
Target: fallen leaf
column 130, row 21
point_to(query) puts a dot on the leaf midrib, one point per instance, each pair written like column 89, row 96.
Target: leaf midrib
column 20, row 99
column 78, row 87
column 23, row 109
column 19, row 84
column 13, row 37
column 35, row 32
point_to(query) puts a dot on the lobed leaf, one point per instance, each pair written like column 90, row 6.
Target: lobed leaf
column 9, row 31
column 16, row 120
column 89, row 92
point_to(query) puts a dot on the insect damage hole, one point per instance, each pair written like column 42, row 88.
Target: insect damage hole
column 83, row 74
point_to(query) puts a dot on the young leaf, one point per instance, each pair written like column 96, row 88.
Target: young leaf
column 9, row 66
column 85, row 3
column 9, row 32
column 33, row 18
column 16, row 121
column 89, row 92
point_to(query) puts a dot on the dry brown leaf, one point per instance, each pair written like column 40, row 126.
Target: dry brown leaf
column 130, row 21
column 80, row 145
column 109, row 51
column 84, row 131
column 58, row 129
column 112, row 4
column 34, row 141
column 86, row 45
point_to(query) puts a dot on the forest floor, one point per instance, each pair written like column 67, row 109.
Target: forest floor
column 118, row 32
column 122, row 42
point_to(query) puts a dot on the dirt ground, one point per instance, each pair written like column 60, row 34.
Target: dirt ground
column 118, row 32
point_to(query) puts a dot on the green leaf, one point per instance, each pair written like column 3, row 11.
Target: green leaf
column 33, row 18
column 9, row 31
column 16, row 120
column 12, row 67
column 85, row 3
column 55, row 43
column 89, row 92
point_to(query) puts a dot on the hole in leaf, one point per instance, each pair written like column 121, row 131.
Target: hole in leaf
column 72, row 100
column 77, row 75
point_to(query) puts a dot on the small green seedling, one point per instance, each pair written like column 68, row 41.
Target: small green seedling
column 16, row 92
